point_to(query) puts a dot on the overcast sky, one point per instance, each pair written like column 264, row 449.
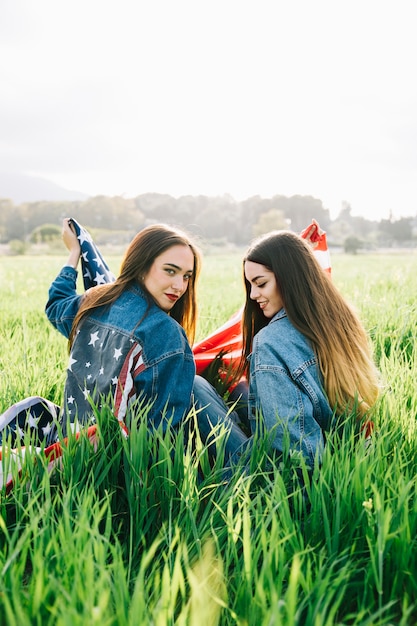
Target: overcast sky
column 122, row 97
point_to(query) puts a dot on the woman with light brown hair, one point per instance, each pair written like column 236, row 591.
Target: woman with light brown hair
column 130, row 339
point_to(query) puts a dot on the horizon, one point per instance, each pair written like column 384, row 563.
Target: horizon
column 75, row 192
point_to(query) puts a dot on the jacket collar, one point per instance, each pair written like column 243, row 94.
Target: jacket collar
column 278, row 316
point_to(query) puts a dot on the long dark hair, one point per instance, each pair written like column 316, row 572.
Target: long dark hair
column 138, row 259
column 317, row 309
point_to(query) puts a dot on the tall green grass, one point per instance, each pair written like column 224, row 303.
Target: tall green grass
column 149, row 530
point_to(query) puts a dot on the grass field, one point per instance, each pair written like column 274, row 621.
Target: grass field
column 141, row 531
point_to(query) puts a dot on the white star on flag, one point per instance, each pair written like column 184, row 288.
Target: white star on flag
column 84, row 236
column 86, row 392
column 19, row 433
column 88, row 364
column 114, row 380
column 71, row 362
column 91, row 259
column 117, row 353
column 100, row 279
column 70, row 400
column 93, row 339
column 47, row 429
column 33, row 421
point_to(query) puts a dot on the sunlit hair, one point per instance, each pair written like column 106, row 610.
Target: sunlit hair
column 317, row 309
column 148, row 244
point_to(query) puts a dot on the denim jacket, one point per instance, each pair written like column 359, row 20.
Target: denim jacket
column 130, row 350
column 286, row 389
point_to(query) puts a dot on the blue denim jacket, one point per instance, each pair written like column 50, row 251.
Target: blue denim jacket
column 130, row 350
column 286, row 389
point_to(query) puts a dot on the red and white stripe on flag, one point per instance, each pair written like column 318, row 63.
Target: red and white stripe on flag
column 12, row 459
column 317, row 238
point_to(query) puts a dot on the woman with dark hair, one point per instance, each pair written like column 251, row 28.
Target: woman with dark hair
column 129, row 340
column 305, row 352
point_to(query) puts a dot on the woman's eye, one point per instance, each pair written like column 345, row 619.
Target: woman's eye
column 170, row 272
column 187, row 277
column 261, row 285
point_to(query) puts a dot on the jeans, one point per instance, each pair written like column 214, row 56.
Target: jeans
column 212, row 412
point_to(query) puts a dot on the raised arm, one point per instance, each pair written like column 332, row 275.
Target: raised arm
column 63, row 301
column 71, row 242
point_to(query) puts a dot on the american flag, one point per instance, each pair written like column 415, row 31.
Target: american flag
column 36, row 415
column 94, row 268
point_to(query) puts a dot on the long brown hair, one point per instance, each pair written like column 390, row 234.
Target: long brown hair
column 317, row 309
column 138, row 259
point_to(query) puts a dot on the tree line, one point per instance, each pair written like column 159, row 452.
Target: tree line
column 219, row 219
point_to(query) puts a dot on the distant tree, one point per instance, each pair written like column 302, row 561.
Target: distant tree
column 215, row 218
column 345, row 212
column 300, row 210
column 352, row 244
column 271, row 220
column 187, row 210
column 17, row 247
column 397, row 230
column 7, row 208
column 339, row 231
column 156, row 207
column 356, row 224
column 16, row 224
column 44, row 233
column 250, row 211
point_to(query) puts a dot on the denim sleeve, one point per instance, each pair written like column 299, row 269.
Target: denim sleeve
column 63, row 302
column 287, row 412
column 170, row 384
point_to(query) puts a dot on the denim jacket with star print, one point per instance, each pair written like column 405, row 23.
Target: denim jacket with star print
column 131, row 350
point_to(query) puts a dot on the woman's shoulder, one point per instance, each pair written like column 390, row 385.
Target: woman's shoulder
column 282, row 336
column 161, row 336
column 280, row 326
column 133, row 313
column 154, row 323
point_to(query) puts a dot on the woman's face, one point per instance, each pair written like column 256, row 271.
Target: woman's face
column 168, row 277
column 263, row 288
